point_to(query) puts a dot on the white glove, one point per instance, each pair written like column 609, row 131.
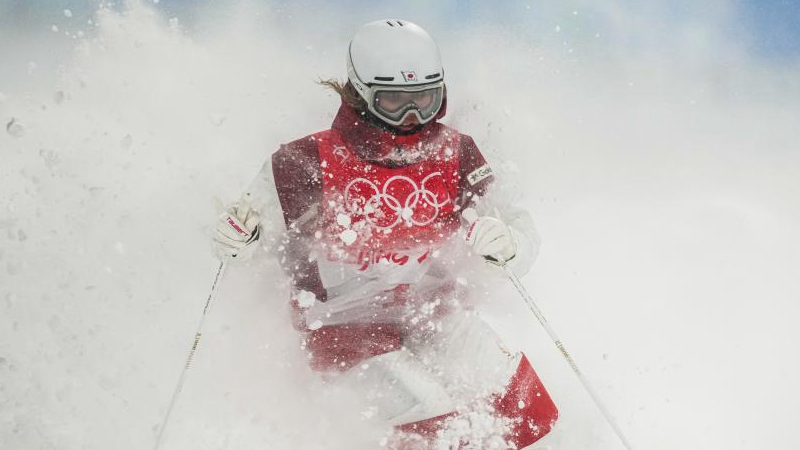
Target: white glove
column 237, row 228
column 490, row 237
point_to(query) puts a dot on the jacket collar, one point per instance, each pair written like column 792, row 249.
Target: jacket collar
column 379, row 145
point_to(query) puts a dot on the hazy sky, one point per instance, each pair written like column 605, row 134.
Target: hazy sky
column 767, row 28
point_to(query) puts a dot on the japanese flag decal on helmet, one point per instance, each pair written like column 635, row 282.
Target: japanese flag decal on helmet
column 396, row 56
column 409, row 76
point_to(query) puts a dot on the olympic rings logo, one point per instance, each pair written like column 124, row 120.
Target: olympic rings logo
column 385, row 211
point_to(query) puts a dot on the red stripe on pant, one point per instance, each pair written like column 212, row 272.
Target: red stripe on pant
column 340, row 347
column 525, row 402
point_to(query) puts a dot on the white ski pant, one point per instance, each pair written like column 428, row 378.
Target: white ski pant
column 462, row 360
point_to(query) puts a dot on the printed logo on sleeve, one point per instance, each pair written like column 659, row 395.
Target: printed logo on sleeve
column 479, row 174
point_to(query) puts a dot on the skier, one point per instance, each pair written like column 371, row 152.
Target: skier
column 376, row 213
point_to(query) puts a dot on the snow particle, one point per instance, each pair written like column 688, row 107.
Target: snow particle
column 348, row 236
column 67, row 13
column 315, row 325
column 218, row 119
column 54, row 323
column 369, row 413
column 54, row 29
column 306, row 299
column 126, row 142
column 521, row 404
column 343, row 220
column 14, row 128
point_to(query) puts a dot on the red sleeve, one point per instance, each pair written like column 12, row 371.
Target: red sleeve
column 298, row 180
column 475, row 175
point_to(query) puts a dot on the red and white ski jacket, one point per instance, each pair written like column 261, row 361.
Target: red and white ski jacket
column 366, row 210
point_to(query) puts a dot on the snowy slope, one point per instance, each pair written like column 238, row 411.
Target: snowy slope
column 664, row 186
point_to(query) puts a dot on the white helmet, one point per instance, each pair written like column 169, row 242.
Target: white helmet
column 396, row 67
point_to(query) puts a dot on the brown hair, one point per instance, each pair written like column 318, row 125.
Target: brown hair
column 346, row 91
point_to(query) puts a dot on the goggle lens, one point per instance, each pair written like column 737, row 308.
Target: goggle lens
column 394, row 104
column 393, row 101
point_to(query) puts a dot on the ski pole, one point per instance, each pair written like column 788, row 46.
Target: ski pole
column 195, row 343
column 542, row 320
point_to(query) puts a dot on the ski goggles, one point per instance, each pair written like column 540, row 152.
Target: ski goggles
column 393, row 104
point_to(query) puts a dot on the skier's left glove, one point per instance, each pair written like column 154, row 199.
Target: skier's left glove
column 490, row 237
column 237, row 229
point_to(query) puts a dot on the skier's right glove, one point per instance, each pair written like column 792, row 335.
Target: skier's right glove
column 237, row 229
column 490, row 238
